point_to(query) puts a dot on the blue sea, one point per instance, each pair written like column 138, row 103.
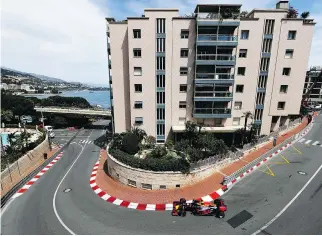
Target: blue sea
column 101, row 98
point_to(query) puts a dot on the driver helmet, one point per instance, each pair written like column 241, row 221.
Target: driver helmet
column 202, row 202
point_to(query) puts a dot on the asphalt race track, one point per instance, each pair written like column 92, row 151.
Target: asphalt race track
column 252, row 202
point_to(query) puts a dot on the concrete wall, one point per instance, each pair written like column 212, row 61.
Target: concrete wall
column 123, row 173
column 176, row 63
column 120, row 76
column 28, row 159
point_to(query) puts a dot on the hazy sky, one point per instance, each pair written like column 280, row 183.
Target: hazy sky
column 66, row 38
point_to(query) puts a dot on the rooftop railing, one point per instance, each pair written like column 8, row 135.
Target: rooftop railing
column 218, row 16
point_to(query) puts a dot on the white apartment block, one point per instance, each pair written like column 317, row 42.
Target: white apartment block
column 311, row 79
column 209, row 68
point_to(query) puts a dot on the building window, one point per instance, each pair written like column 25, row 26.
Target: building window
column 243, row 53
column 146, row 186
column 244, row 34
column 236, row 121
column 289, row 53
column 160, row 114
column 161, row 26
column 258, row 114
column 238, row 105
column 137, row 71
column 291, row 35
column 239, row 88
column 182, row 120
column 280, row 105
column 160, row 81
column 269, row 26
column 183, row 70
column 184, row 52
column 182, row 104
column 137, row 52
column 138, row 105
column 131, row 182
column 241, row 70
column 163, row 187
column 160, row 63
column 264, row 65
column 160, row 97
column 138, row 120
column 283, row 88
column 160, row 44
column 286, row 71
column 138, row 88
column 160, row 129
column 183, row 88
column 184, row 34
column 137, row 33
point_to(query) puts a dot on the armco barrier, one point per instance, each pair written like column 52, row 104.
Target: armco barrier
column 251, row 164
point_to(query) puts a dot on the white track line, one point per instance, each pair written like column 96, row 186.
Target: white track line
column 289, row 204
column 315, row 143
column 308, row 141
column 54, row 198
column 301, row 141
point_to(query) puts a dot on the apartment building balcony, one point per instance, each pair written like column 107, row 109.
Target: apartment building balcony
column 215, row 59
column 217, row 78
column 214, row 19
column 217, row 40
column 213, row 96
column 212, row 113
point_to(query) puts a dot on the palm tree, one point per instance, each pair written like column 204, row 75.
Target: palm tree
column 305, row 14
column 6, row 115
column 140, row 133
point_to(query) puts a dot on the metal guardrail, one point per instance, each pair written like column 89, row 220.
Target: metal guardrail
column 261, row 158
column 22, row 182
column 240, row 153
column 74, row 110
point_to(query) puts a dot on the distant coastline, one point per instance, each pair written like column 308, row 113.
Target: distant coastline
column 101, row 97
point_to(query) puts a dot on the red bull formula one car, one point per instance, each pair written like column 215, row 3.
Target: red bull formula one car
column 216, row 208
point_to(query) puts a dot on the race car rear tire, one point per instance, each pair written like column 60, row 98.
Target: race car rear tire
column 221, row 214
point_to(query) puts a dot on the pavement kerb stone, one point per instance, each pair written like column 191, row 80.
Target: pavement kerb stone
column 161, row 207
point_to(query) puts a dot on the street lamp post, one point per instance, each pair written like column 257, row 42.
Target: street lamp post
column 42, row 119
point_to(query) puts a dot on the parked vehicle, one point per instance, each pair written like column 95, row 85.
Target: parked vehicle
column 48, row 128
column 51, row 134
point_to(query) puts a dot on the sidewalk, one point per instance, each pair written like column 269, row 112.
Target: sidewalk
column 7, row 183
column 202, row 188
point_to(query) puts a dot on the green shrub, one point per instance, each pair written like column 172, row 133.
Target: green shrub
column 169, row 144
column 152, row 164
column 158, row 152
column 130, row 143
column 150, row 141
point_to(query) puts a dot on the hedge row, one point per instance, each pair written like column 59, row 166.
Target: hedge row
column 151, row 164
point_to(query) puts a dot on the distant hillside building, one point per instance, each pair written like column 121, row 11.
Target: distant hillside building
column 4, row 86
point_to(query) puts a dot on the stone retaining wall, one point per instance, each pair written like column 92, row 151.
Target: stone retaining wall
column 27, row 160
column 158, row 180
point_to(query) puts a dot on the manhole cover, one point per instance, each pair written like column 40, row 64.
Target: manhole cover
column 67, row 190
column 302, row 173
